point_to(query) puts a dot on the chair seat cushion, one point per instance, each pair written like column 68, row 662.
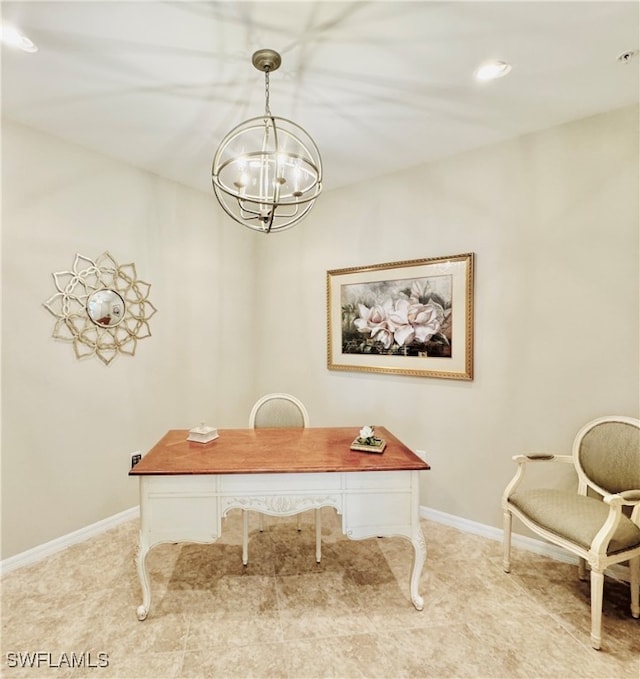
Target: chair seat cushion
column 574, row 517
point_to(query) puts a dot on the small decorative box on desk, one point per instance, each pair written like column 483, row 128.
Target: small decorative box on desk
column 368, row 442
column 202, row 434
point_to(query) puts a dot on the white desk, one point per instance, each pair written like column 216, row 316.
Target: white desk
column 187, row 488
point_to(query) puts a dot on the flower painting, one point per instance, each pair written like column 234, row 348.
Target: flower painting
column 413, row 317
column 409, row 317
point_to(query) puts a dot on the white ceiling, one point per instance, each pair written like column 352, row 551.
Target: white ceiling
column 381, row 85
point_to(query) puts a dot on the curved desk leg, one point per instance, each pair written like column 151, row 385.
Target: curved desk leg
column 419, row 557
column 245, row 536
column 143, row 576
column 318, row 524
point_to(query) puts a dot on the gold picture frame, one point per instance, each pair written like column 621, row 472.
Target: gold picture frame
column 413, row 317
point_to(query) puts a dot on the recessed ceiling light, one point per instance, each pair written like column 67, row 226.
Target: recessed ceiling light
column 491, row 70
column 12, row 37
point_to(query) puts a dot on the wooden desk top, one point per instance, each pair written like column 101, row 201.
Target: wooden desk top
column 274, row 450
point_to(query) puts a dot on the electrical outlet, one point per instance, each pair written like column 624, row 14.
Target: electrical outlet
column 135, row 458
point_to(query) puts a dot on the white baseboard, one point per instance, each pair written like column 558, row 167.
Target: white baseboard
column 520, row 541
column 48, row 548
column 617, row 571
column 465, row 525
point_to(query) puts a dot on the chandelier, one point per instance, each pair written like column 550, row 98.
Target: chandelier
column 267, row 172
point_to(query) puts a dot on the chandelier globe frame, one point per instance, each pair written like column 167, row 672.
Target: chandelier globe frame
column 267, row 171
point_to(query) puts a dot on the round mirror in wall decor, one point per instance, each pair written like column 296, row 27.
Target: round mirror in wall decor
column 106, row 308
column 101, row 307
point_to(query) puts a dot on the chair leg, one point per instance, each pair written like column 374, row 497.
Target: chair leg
column 582, row 569
column 597, row 585
column 506, row 541
column 634, row 568
column 318, row 518
column 245, row 537
column 261, row 523
column 299, row 521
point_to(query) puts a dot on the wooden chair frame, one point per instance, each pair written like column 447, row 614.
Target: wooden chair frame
column 596, row 555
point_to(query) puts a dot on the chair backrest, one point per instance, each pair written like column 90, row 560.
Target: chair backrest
column 278, row 410
column 606, row 454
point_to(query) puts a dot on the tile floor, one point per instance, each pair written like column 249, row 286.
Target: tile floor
column 286, row 616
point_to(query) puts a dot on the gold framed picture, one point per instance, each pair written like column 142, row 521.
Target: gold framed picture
column 412, row 317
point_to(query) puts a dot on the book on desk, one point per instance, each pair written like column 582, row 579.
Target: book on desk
column 377, row 446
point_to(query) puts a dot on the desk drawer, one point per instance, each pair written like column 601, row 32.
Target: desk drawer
column 370, row 513
column 179, row 508
column 400, row 480
column 178, row 484
column 247, row 484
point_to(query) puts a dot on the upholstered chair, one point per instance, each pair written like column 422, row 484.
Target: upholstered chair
column 278, row 410
column 600, row 523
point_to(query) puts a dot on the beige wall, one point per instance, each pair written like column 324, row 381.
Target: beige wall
column 68, row 426
column 553, row 220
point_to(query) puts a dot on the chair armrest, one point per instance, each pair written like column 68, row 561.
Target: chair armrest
column 616, row 502
column 522, row 461
column 627, row 498
column 542, row 457
column 630, row 496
